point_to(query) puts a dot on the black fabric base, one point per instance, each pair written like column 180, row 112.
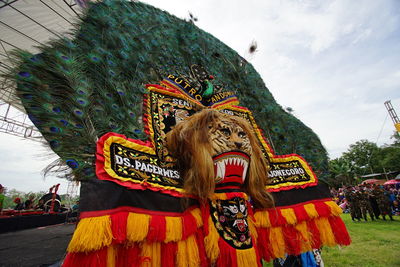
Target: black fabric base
column 292, row 197
column 97, row 195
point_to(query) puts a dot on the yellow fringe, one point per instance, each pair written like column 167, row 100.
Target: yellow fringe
column 111, row 256
column 305, row 244
column 246, row 257
column 91, row 234
column 325, row 230
column 196, row 213
column 137, row 227
column 221, row 196
column 211, row 242
column 188, row 253
column 253, row 230
column 277, row 242
column 335, row 209
column 262, row 219
column 289, row 215
column 152, row 253
column 173, row 229
column 311, row 211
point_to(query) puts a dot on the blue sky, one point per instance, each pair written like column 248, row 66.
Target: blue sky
column 333, row 62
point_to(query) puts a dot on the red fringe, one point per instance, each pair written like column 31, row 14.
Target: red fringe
column 257, row 252
column 118, row 226
column 168, row 254
column 263, row 244
column 93, row 259
column 342, row 237
column 315, row 240
column 292, row 240
column 189, row 225
column 322, row 209
column 205, row 213
column 157, row 229
column 229, row 253
column 129, row 256
column 202, row 250
column 276, row 218
column 301, row 213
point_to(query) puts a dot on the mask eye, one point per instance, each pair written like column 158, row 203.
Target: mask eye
column 226, row 131
column 242, row 134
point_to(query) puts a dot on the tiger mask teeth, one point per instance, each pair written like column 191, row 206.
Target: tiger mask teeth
column 231, row 165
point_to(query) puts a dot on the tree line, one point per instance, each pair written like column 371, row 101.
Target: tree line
column 362, row 158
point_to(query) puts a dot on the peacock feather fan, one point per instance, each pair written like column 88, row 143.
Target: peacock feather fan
column 80, row 88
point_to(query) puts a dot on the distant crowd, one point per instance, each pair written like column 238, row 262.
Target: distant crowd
column 29, row 204
column 45, row 203
column 369, row 200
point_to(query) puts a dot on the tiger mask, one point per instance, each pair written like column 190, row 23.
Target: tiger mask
column 211, row 146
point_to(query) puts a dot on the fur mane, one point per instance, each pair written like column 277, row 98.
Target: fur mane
column 189, row 143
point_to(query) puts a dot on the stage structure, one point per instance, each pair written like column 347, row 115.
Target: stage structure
column 393, row 115
column 26, row 25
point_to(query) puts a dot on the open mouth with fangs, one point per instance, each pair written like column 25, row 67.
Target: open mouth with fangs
column 231, row 166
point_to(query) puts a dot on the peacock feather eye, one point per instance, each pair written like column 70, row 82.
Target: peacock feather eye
column 78, row 112
column 54, row 144
column 64, row 122
column 27, row 96
column 81, row 101
column 55, row 129
column 24, row 74
column 73, row 164
column 56, row 109
column 35, row 59
column 88, row 171
column 276, row 129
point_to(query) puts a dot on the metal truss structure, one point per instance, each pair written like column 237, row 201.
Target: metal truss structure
column 393, row 115
column 27, row 24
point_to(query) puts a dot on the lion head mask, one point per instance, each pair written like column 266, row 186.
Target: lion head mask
column 212, row 147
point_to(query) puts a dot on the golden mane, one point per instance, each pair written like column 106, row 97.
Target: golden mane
column 189, row 143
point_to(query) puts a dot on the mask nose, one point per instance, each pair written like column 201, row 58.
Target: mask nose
column 238, row 144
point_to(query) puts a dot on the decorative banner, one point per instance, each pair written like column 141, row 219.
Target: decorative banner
column 147, row 165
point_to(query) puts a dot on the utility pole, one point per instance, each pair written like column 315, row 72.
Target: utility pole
column 393, row 116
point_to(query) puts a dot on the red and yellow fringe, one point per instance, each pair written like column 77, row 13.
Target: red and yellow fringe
column 136, row 239
column 190, row 239
column 299, row 229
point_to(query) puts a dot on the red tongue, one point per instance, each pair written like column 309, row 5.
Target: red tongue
column 233, row 173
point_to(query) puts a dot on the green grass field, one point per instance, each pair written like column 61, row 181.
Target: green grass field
column 374, row 244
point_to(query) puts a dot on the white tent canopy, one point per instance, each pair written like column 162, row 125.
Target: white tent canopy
column 25, row 24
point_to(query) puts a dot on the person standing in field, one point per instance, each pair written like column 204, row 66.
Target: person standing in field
column 384, row 203
column 365, row 205
column 1, row 197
